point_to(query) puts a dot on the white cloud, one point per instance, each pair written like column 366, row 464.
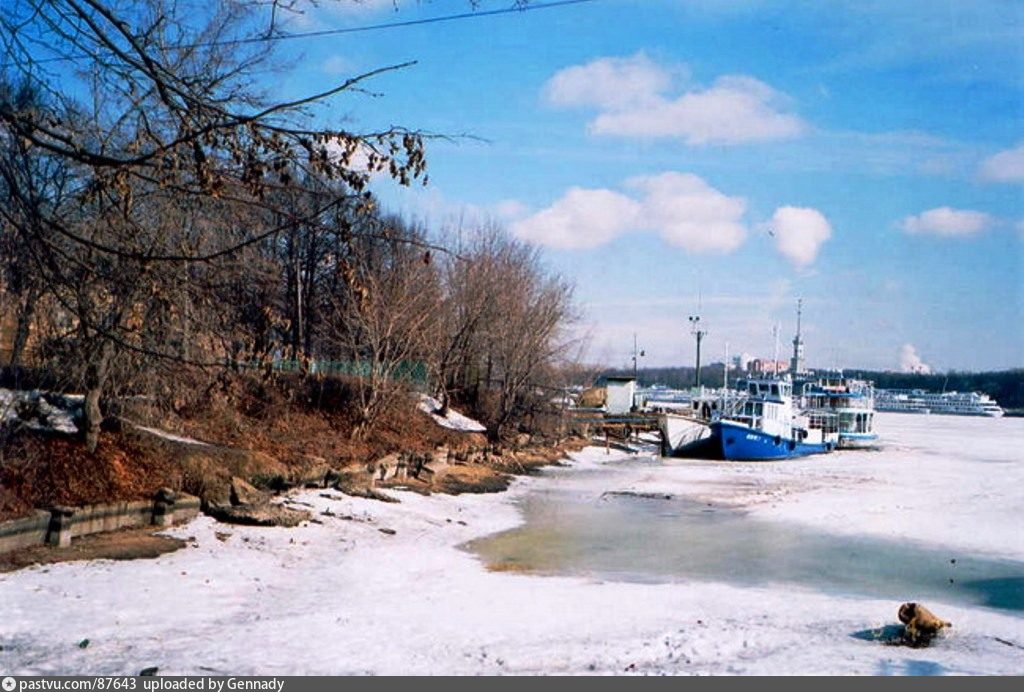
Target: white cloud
column 510, row 210
column 682, row 208
column 733, row 111
column 1004, row 167
column 689, row 213
column 799, row 233
column 911, row 362
column 631, row 95
column 580, row 219
column 946, row 222
column 615, row 83
column 357, row 158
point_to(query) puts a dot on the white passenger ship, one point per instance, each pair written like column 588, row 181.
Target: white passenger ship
column 921, row 401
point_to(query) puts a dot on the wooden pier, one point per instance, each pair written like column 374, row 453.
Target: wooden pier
column 618, row 426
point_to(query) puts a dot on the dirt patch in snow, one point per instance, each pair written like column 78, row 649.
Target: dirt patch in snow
column 474, row 479
column 128, row 544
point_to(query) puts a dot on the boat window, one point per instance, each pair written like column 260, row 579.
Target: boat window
column 752, row 388
column 775, row 389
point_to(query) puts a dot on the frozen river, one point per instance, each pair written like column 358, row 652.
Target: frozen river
column 659, row 527
column 614, row 564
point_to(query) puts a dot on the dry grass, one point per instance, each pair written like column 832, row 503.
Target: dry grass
column 40, row 470
column 273, row 434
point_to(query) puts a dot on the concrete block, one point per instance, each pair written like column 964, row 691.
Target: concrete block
column 59, row 533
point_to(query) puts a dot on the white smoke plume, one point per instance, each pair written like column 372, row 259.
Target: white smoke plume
column 911, row 362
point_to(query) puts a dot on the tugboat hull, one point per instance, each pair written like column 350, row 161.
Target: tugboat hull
column 738, row 442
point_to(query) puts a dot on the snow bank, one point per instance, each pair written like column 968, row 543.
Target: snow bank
column 454, row 420
column 40, row 410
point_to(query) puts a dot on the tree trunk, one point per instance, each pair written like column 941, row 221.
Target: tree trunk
column 21, row 330
column 93, row 417
column 95, row 381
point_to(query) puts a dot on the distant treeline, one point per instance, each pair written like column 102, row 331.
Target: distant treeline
column 1006, row 387
column 680, row 377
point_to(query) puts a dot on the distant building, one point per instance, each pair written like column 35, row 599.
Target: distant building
column 767, row 366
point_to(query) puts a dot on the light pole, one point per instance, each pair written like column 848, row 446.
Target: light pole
column 699, row 334
column 636, row 354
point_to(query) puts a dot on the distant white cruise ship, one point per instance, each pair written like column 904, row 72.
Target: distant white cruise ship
column 921, row 401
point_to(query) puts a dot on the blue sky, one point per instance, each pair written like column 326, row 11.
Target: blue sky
column 865, row 156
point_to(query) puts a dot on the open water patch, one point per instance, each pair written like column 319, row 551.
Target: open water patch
column 657, row 538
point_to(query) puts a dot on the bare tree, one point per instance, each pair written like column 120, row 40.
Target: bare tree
column 382, row 321
column 164, row 116
column 503, row 328
column 34, row 186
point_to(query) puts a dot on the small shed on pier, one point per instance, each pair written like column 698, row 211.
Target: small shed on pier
column 621, row 392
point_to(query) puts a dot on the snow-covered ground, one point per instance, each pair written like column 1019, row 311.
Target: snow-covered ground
column 344, row 596
column 453, row 420
column 163, row 434
column 40, row 410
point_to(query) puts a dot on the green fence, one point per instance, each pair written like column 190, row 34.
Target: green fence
column 409, row 371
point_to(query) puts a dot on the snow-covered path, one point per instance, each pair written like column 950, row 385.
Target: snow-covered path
column 345, row 597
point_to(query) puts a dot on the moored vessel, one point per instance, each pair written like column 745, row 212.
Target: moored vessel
column 943, row 403
column 851, row 400
column 766, row 427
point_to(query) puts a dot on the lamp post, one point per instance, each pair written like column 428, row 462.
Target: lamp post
column 699, row 334
column 636, row 354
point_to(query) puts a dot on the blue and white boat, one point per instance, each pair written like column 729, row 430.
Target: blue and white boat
column 765, row 426
column 853, row 401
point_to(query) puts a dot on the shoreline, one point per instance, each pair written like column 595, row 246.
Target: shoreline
column 345, row 597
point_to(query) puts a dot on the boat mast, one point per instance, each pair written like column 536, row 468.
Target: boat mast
column 796, row 363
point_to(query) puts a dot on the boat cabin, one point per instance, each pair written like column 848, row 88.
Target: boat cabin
column 767, row 405
column 769, row 389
